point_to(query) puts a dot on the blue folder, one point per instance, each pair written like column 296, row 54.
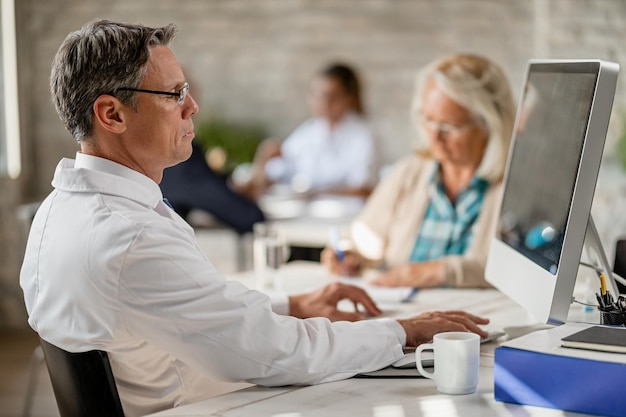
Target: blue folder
column 561, row 382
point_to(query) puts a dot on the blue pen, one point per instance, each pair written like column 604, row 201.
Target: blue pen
column 338, row 251
column 410, row 296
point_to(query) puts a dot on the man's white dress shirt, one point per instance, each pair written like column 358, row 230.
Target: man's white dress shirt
column 109, row 266
column 325, row 158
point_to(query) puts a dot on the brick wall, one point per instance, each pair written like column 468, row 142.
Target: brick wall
column 251, row 60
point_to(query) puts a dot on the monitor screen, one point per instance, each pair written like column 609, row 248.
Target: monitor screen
column 544, row 165
column 555, row 155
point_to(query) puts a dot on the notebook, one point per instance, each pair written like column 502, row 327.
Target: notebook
column 605, row 339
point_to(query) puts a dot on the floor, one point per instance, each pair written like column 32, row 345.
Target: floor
column 228, row 254
column 16, row 353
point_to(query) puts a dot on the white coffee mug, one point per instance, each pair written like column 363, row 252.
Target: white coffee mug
column 457, row 357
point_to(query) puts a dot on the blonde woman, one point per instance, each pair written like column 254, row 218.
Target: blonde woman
column 431, row 218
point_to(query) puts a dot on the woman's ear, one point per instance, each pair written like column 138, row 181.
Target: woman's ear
column 110, row 114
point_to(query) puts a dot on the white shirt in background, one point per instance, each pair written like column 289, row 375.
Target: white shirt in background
column 344, row 156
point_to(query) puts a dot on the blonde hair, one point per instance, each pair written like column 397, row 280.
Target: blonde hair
column 481, row 87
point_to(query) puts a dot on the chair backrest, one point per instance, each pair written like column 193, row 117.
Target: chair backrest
column 619, row 266
column 83, row 383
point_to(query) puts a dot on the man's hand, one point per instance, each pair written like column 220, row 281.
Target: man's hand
column 349, row 266
column 421, row 329
column 323, row 303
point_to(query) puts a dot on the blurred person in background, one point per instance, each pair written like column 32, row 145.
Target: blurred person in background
column 332, row 152
column 193, row 184
column 431, row 218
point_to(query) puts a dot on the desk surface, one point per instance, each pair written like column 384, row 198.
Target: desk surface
column 280, row 202
column 306, row 220
column 392, row 397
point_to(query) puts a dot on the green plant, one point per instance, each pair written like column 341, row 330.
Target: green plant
column 238, row 140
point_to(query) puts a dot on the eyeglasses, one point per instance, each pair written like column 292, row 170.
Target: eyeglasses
column 180, row 94
column 444, row 127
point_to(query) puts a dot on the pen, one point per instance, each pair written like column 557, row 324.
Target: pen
column 338, row 251
column 410, row 296
column 602, row 284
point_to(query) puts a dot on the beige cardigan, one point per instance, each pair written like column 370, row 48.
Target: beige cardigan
column 387, row 227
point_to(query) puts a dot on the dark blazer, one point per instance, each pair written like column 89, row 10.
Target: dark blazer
column 194, row 185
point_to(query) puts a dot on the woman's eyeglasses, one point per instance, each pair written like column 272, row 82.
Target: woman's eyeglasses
column 444, row 127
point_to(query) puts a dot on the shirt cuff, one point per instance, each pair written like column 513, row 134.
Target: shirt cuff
column 396, row 328
column 280, row 303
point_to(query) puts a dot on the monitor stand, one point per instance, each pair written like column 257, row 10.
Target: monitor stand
column 593, row 246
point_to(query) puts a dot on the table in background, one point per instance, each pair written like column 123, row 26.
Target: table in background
column 392, row 397
column 305, row 221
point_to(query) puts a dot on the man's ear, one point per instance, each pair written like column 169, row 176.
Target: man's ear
column 110, row 113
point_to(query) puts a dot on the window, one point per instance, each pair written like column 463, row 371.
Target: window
column 10, row 159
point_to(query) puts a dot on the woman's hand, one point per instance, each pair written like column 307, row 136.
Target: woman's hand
column 349, row 266
column 417, row 275
column 268, row 149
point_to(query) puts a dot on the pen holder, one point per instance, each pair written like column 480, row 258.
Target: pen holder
column 613, row 317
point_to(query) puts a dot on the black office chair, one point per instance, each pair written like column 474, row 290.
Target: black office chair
column 83, row 383
column 619, row 266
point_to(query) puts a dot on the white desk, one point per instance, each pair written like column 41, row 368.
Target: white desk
column 306, row 220
column 379, row 397
column 280, row 202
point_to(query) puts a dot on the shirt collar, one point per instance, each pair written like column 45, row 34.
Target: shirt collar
column 90, row 173
column 475, row 183
column 347, row 119
column 438, row 193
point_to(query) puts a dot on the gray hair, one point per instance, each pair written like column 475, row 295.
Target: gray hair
column 97, row 59
column 482, row 88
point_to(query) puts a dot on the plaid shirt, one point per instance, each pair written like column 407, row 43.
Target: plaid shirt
column 447, row 228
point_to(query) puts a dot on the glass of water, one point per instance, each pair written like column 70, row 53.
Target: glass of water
column 270, row 253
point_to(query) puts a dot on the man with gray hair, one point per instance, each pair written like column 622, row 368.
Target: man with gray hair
column 110, row 266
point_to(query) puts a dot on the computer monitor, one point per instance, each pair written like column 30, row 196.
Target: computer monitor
column 551, row 174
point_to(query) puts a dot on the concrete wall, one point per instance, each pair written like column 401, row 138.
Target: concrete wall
column 251, row 60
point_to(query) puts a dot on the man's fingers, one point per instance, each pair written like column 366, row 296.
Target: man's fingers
column 476, row 319
column 370, row 306
column 469, row 321
column 471, row 326
column 455, row 313
column 359, row 296
column 423, row 327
